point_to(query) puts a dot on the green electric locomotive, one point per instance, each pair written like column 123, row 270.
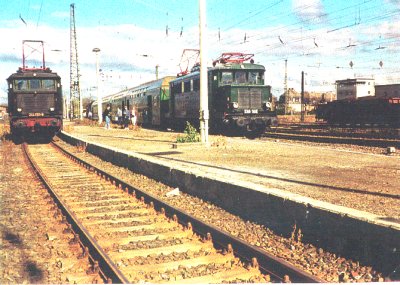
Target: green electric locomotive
column 238, row 99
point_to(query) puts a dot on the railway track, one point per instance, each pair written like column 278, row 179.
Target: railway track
column 131, row 236
column 378, row 137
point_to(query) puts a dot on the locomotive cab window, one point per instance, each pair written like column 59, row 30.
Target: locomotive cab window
column 34, row 84
column 240, row 77
column 49, row 84
column 226, row 77
column 255, row 77
column 20, row 84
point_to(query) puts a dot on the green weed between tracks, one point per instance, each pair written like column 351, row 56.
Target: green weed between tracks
column 190, row 135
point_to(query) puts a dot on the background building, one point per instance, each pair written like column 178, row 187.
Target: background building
column 389, row 90
column 3, row 111
column 311, row 99
column 355, row 88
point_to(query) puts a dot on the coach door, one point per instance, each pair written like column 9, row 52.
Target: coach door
column 148, row 114
column 155, row 110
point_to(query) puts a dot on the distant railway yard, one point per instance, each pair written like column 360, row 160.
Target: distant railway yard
column 133, row 205
column 356, row 135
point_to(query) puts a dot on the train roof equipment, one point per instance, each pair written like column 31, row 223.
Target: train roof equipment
column 234, row 57
column 29, row 48
column 189, row 58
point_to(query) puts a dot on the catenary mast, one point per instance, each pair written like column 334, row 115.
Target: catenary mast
column 75, row 93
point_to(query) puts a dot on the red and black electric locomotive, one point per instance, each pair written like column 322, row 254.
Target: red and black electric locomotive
column 361, row 111
column 35, row 101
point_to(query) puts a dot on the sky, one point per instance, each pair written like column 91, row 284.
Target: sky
column 328, row 40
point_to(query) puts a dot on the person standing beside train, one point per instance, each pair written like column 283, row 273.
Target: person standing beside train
column 126, row 115
column 133, row 117
column 120, row 119
column 106, row 115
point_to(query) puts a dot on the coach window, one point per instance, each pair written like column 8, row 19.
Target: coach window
column 196, row 84
column 187, row 86
column 240, row 77
column 226, row 78
column 175, row 88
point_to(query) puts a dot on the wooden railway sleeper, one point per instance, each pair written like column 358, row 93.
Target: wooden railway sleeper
column 162, row 211
column 75, row 239
column 208, row 236
column 150, row 205
column 67, row 230
column 95, row 269
column 229, row 248
column 85, row 252
column 254, row 263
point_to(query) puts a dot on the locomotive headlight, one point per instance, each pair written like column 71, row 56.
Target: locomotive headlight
column 235, row 105
column 19, row 109
column 52, row 109
column 267, row 105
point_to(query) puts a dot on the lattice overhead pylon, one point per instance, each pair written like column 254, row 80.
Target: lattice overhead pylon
column 75, row 93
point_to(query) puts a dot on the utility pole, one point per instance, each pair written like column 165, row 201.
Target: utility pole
column 75, row 90
column 302, row 97
column 204, row 113
column 157, row 66
column 99, row 99
column 286, row 91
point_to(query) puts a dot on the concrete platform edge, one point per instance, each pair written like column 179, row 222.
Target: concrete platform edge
column 361, row 235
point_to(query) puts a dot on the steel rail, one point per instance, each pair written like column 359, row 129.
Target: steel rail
column 335, row 139
column 106, row 265
column 275, row 266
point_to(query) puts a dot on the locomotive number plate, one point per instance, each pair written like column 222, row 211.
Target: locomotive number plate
column 35, row 115
column 250, row 111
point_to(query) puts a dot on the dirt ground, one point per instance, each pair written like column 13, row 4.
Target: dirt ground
column 357, row 178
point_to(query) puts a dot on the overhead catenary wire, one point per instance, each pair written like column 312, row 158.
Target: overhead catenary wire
column 304, row 38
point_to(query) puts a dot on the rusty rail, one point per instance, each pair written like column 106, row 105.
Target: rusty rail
column 267, row 263
column 109, row 270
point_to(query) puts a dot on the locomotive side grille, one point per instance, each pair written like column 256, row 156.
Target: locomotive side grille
column 249, row 98
column 35, row 103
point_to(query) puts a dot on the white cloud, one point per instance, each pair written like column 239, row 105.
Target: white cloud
column 60, row 14
column 394, row 2
column 130, row 53
column 308, row 10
